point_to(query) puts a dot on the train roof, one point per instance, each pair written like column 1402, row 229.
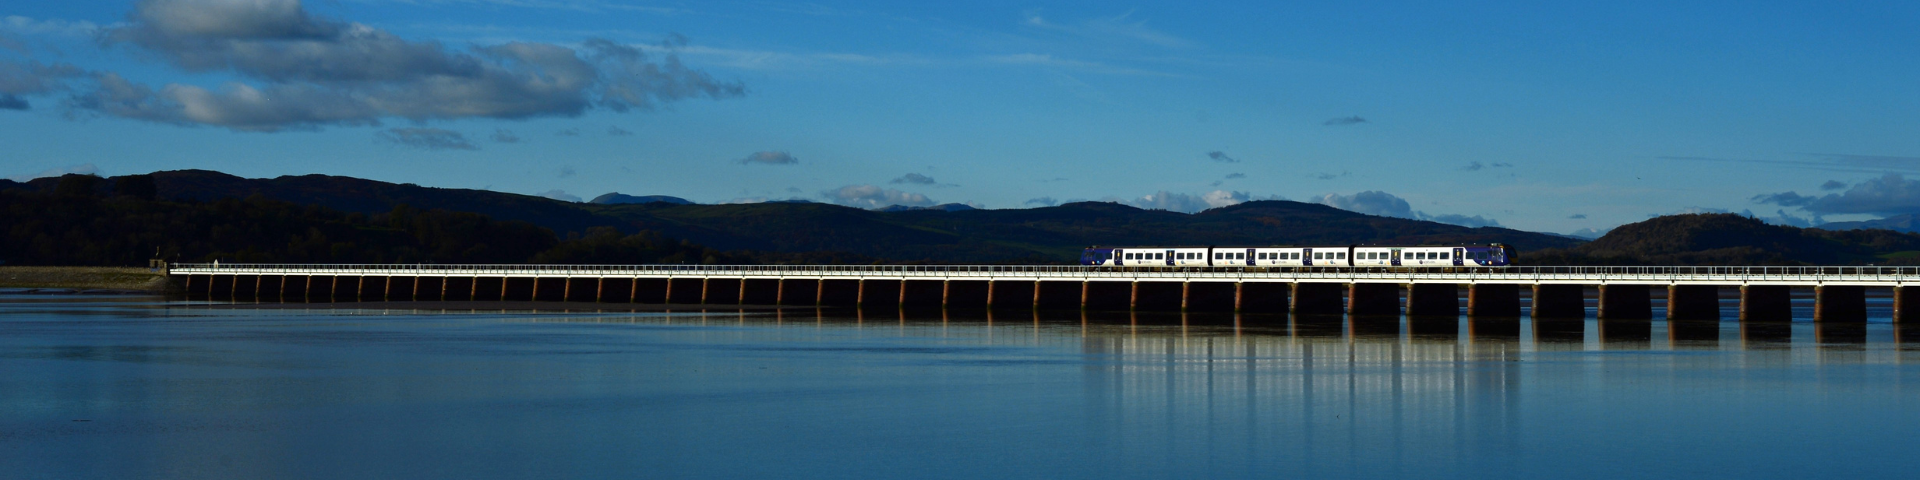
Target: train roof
column 1302, row 246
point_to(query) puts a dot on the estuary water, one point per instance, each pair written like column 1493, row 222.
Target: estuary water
column 138, row 387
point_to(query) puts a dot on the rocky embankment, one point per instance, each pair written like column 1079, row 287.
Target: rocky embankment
column 80, row 279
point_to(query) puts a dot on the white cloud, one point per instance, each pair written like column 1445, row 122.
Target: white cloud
column 560, row 195
column 1375, row 202
column 295, row 70
column 871, row 197
column 1186, row 203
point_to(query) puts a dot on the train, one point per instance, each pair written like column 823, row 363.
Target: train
column 1491, row 255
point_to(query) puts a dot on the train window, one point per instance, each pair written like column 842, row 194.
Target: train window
column 1443, row 256
column 1342, row 255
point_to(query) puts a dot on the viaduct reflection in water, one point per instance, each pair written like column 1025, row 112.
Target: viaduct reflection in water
column 1192, row 395
column 1366, row 395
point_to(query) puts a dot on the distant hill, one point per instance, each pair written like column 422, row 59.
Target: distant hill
column 622, row 199
column 945, row 234
column 944, row 207
column 1729, row 239
column 1906, row 222
column 1052, row 233
column 370, row 196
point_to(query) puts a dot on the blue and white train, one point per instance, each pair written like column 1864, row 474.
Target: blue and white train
column 1495, row 255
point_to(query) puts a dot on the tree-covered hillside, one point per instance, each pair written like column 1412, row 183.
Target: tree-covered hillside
column 1728, row 239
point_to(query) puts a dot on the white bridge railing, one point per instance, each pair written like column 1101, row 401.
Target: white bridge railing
column 1819, row 275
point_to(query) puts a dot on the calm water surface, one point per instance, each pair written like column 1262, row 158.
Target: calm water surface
column 146, row 388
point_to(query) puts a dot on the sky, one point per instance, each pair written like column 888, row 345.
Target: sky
column 1556, row 117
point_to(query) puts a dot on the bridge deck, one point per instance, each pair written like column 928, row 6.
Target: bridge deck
column 1784, row 276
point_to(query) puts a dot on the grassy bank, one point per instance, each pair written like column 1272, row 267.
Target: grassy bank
column 115, row 278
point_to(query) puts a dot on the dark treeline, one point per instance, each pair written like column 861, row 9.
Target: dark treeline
column 87, row 221
column 1728, row 239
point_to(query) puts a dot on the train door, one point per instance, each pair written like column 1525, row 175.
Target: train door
column 1119, row 257
column 1306, row 256
column 1169, row 258
column 1396, row 257
column 1457, row 261
column 1249, row 260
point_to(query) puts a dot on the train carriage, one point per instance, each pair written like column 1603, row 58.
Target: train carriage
column 1494, row 255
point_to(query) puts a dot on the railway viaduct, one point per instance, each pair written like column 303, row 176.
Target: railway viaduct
column 1690, row 293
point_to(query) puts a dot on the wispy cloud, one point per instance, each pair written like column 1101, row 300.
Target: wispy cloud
column 425, row 138
column 769, row 158
column 1342, row 121
column 914, row 178
column 1477, row 166
column 1831, row 162
column 586, row 6
column 1221, row 157
column 1048, row 60
column 1120, row 28
column 618, row 132
column 504, row 136
column 28, row 26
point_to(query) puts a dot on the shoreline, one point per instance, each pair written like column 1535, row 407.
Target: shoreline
column 493, row 305
column 62, row 280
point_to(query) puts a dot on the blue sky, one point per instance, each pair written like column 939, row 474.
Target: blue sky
column 1538, row 117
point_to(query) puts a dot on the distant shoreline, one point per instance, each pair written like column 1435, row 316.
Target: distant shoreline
column 495, row 305
column 83, row 278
